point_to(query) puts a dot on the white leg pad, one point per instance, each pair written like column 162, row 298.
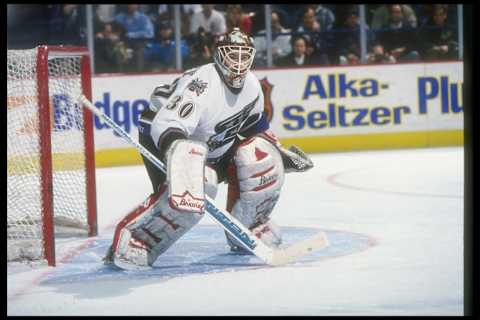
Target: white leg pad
column 259, row 178
column 186, row 175
column 150, row 230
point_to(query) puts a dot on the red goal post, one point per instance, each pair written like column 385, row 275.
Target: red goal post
column 59, row 74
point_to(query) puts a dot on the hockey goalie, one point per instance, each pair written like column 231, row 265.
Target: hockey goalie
column 208, row 127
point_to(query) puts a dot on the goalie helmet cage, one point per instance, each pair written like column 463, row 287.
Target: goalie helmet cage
column 50, row 150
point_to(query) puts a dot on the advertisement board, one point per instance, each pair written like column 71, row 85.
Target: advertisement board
column 319, row 109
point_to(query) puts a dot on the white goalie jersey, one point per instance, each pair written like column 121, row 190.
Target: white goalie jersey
column 209, row 126
column 203, row 108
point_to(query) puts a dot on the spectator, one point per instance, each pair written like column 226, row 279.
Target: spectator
column 324, row 16
column 422, row 11
column 382, row 16
column 201, row 44
column 348, row 39
column 342, row 13
column 310, row 28
column 138, row 28
column 257, row 16
column 188, row 10
column 66, row 24
column 290, row 15
column 105, row 13
column 111, row 53
column 378, row 55
column 209, row 19
column 438, row 38
column 136, row 24
column 299, row 56
column 237, row 19
column 399, row 39
column 166, row 13
column 296, row 13
column 150, row 11
column 160, row 53
column 427, row 11
column 281, row 43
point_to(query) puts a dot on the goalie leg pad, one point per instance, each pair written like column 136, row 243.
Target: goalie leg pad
column 187, row 175
column 148, row 231
column 256, row 178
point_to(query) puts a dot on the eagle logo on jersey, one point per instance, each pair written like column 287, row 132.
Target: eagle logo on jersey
column 197, row 86
column 267, row 93
column 227, row 129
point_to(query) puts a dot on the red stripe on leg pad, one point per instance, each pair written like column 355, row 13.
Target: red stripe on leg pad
column 151, row 235
column 264, row 186
column 135, row 214
column 262, row 173
column 140, row 244
column 170, row 222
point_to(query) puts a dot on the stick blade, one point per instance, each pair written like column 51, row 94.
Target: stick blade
column 296, row 251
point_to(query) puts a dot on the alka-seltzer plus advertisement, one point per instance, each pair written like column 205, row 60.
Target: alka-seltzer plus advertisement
column 313, row 101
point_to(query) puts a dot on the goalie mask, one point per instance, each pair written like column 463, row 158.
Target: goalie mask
column 234, row 53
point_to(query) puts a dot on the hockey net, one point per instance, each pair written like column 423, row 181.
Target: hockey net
column 50, row 171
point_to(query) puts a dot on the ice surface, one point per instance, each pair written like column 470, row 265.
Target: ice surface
column 394, row 220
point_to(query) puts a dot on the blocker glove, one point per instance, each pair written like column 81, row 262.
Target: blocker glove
column 294, row 159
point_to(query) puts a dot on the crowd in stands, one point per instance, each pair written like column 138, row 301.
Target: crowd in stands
column 141, row 38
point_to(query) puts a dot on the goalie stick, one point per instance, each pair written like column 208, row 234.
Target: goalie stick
column 271, row 256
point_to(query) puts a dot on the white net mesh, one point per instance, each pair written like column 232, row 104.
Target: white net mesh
column 24, row 204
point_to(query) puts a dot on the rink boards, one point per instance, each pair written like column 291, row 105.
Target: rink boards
column 320, row 109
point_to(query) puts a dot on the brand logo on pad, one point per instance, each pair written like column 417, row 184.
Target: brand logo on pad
column 265, row 182
column 187, row 202
column 266, row 179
